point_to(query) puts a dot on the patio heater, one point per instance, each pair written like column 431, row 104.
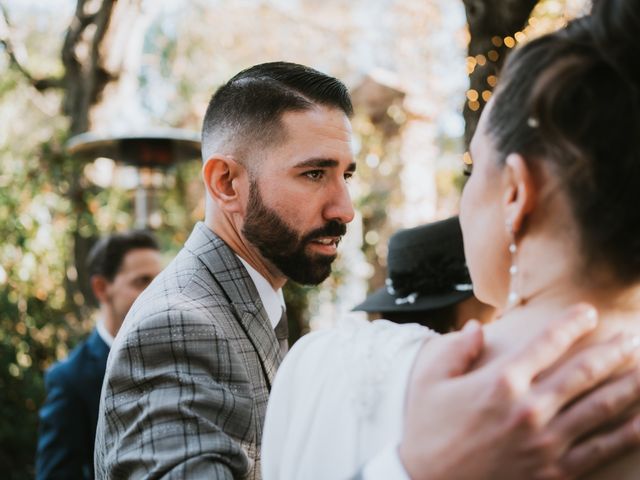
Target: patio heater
column 148, row 151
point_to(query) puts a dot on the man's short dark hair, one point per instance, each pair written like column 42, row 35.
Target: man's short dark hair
column 247, row 110
column 107, row 255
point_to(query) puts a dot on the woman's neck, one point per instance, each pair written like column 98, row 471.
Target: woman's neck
column 519, row 325
column 549, row 288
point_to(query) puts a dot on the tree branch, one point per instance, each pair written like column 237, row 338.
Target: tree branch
column 85, row 78
column 39, row 84
column 102, row 75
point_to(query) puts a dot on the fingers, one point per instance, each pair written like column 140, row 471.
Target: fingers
column 554, row 341
column 585, row 370
column 450, row 355
column 600, row 407
column 465, row 349
column 599, row 449
column 462, row 349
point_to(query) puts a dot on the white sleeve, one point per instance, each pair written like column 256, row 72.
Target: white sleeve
column 385, row 465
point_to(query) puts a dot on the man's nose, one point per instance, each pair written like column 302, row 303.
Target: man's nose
column 339, row 206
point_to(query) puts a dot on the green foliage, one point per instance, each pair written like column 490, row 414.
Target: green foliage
column 36, row 326
column 47, row 208
column 31, row 272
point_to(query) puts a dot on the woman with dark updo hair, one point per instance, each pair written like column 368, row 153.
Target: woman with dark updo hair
column 551, row 213
column 550, row 217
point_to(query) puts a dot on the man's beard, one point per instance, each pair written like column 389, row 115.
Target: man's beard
column 283, row 246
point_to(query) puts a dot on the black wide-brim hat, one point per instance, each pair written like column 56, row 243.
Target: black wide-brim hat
column 426, row 270
column 382, row 301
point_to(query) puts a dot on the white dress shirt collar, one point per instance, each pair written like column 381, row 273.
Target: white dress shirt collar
column 104, row 334
column 273, row 300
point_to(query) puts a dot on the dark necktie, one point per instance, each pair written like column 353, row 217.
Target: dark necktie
column 282, row 332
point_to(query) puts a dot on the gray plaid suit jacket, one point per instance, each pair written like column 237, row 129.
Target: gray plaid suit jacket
column 189, row 374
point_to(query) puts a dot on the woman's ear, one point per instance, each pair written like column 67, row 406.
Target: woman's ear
column 221, row 174
column 520, row 193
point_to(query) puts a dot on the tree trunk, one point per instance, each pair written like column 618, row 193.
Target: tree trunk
column 493, row 25
column 85, row 76
column 90, row 66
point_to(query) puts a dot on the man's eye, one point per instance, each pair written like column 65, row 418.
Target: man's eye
column 348, row 176
column 314, row 175
column 142, row 282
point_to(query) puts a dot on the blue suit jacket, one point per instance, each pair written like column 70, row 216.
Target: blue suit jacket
column 69, row 415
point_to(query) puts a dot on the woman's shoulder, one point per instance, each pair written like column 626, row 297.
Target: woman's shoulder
column 358, row 354
column 365, row 332
column 354, row 340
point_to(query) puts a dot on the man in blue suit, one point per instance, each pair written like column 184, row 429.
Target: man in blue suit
column 120, row 268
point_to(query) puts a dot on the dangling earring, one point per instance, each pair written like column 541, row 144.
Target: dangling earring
column 514, row 299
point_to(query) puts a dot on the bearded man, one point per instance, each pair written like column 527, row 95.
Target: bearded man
column 189, row 375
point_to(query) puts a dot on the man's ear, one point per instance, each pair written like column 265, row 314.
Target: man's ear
column 221, row 174
column 99, row 286
column 521, row 191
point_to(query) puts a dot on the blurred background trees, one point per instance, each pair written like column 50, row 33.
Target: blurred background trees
column 70, row 66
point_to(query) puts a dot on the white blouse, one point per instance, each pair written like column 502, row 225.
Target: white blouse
column 338, row 400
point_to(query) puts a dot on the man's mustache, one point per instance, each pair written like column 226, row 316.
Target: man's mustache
column 333, row 228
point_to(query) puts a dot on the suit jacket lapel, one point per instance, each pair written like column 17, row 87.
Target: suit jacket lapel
column 231, row 275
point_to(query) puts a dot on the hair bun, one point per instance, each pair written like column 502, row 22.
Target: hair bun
column 616, row 30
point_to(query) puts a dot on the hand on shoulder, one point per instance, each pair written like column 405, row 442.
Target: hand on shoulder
column 504, row 420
